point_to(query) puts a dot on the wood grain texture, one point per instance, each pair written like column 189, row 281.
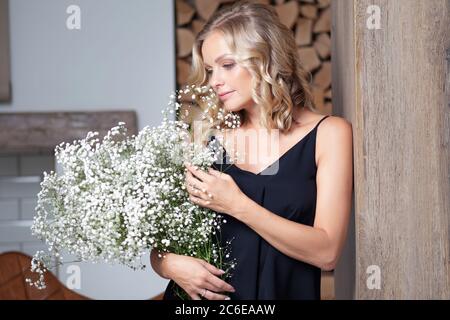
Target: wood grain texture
column 35, row 133
column 395, row 90
column 343, row 71
column 301, row 16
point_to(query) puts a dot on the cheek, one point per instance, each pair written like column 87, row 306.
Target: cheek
column 244, row 80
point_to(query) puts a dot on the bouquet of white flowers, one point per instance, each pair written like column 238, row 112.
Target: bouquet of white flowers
column 118, row 198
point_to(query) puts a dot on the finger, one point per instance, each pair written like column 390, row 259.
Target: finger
column 215, row 173
column 214, row 296
column 199, row 201
column 190, row 179
column 218, row 174
column 220, row 284
column 192, row 190
column 217, row 282
column 200, row 174
column 199, row 194
column 195, row 296
column 191, row 187
column 211, row 268
column 209, row 286
column 198, row 189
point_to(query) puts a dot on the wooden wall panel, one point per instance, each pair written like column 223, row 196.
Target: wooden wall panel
column 393, row 84
column 345, row 105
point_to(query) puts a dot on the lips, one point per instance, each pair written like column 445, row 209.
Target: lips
column 225, row 94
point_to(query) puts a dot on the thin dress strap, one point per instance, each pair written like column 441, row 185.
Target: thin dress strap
column 321, row 121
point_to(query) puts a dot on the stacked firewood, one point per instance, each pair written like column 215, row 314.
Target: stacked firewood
column 310, row 20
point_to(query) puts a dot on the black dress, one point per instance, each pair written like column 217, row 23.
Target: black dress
column 287, row 188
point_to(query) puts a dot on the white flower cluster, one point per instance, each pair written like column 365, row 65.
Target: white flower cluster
column 219, row 117
column 38, row 265
column 119, row 197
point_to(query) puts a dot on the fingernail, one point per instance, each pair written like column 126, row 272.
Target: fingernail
column 227, row 298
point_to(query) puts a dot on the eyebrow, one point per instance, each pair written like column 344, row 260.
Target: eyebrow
column 219, row 57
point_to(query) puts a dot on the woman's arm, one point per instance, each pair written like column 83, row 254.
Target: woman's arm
column 195, row 276
column 160, row 264
column 321, row 244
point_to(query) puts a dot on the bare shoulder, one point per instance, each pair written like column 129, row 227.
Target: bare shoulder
column 334, row 135
column 335, row 124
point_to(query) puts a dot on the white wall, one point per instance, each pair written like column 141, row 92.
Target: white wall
column 121, row 58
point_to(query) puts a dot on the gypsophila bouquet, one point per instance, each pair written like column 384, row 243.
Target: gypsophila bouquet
column 119, row 197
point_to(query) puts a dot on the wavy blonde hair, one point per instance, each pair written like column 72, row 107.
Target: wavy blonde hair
column 267, row 49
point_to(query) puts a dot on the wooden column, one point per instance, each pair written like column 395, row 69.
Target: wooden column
column 393, row 84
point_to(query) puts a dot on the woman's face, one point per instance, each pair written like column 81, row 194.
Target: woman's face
column 230, row 81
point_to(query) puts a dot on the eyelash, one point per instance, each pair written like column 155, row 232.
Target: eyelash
column 226, row 66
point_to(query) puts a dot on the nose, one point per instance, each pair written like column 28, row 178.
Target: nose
column 216, row 80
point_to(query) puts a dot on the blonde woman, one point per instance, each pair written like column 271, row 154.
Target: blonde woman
column 288, row 212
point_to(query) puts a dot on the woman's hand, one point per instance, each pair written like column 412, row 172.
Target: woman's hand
column 214, row 190
column 197, row 277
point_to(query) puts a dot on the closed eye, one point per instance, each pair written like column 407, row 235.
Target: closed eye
column 226, row 66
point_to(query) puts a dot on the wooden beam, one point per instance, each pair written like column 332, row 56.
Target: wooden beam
column 36, row 133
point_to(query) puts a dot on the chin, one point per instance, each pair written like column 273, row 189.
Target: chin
column 232, row 107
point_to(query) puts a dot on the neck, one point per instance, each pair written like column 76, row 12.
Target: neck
column 252, row 116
